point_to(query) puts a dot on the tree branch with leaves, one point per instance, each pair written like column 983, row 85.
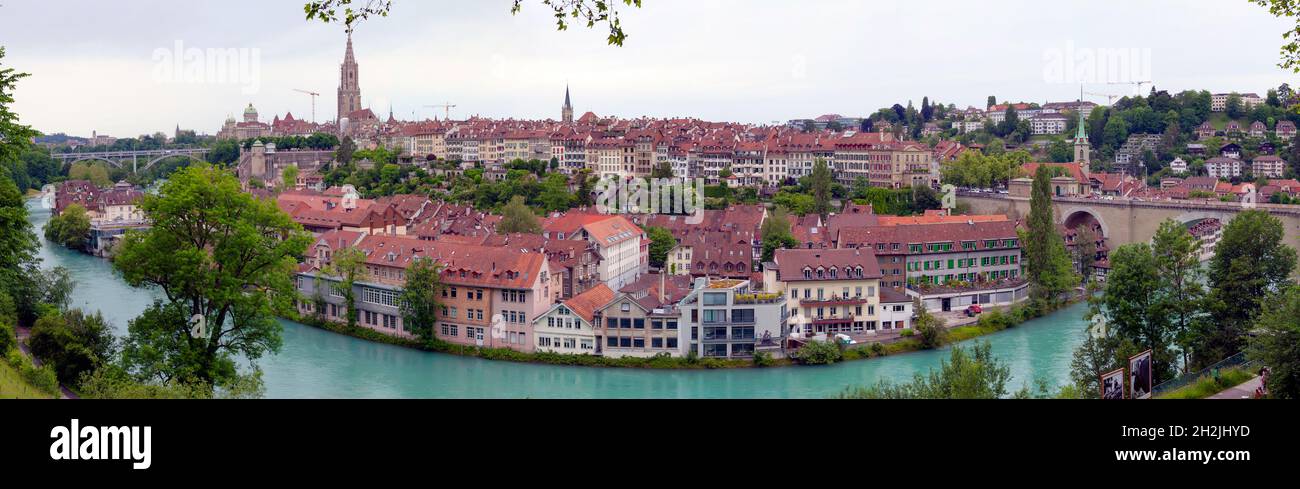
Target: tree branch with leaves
column 566, row 12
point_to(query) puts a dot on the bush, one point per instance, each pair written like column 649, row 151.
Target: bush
column 907, row 333
column 42, row 378
column 15, row 359
column 819, row 353
column 762, row 359
column 7, row 338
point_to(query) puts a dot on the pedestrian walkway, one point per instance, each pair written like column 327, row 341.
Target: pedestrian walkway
column 1243, row 391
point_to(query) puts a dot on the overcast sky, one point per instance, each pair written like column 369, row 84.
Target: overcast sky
column 97, row 65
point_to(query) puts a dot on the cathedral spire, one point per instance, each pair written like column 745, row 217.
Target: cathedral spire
column 566, row 112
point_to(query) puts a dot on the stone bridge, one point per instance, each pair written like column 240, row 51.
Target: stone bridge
column 1126, row 221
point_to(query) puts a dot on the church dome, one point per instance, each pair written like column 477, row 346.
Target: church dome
column 250, row 110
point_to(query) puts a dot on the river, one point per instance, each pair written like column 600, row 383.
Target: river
column 317, row 364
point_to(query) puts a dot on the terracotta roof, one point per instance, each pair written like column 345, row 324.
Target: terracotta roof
column 791, row 263
column 584, row 305
column 978, row 232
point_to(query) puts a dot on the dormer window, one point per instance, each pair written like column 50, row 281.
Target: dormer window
column 807, row 274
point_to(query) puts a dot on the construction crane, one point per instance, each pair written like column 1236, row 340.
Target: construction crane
column 1112, row 97
column 447, row 107
column 313, row 102
column 1136, row 84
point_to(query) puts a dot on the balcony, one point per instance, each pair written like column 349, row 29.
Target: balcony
column 834, row 301
column 723, row 338
column 834, row 320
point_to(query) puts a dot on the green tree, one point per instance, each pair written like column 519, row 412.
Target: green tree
column 592, row 12
column 517, row 217
column 1047, row 264
column 799, row 204
column 18, row 261
column 73, row 342
column 71, row 228
column 821, row 188
column 661, row 242
column 224, row 152
column 343, row 155
column 347, row 265
column 14, row 136
column 288, row 177
column 420, row 297
column 1133, row 311
column 972, row 373
column 1096, row 355
column 1085, row 252
column 819, row 353
column 1180, row 294
column 932, row 331
column 1250, row 262
column 1276, row 343
column 662, row 170
column 221, row 254
column 555, row 195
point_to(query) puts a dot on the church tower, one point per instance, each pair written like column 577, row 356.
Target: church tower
column 566, row 113
column 1082, row 150
column 349, row 85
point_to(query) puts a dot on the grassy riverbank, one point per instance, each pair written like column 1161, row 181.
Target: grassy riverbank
column 14, row 386
column 990, row 322
column 1207, row 386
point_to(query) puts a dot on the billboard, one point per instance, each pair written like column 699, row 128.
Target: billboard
column 1112, row 385
column 1139, row 373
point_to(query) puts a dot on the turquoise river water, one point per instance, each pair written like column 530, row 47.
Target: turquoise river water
column 319, row 364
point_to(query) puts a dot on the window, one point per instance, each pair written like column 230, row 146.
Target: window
column 381, row 297
column 715, row 299
column 638, row 323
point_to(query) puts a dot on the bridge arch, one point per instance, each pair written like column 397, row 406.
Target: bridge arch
column 114, row 164
column 155, row 161
column 1074, row 217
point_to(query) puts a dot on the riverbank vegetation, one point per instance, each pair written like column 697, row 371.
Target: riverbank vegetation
column 1209, row 385
column 70, row 228
column 968, row 373
column 1153, row 300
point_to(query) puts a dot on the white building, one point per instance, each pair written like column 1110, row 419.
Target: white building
column 1222, row 167
column 569, row 327
column 1178, row 166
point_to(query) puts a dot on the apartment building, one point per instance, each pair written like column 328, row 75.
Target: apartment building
column 643, row 318
column 830, row 291
column 937, row 254
column 730, row 319
column 490, row 296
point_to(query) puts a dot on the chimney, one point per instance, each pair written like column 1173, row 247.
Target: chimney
column 663, row 280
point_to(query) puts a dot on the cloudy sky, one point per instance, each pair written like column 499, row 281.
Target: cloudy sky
column 107, row 65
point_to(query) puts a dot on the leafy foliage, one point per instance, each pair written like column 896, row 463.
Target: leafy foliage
column 420, row 297
column 220, row 253
column 968, row 374
column 71, row 228
column 592, row 12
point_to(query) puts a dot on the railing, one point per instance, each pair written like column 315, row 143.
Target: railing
column 762, row 299
column 1238, row 360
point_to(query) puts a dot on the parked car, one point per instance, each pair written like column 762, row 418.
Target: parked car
column 974, row 310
